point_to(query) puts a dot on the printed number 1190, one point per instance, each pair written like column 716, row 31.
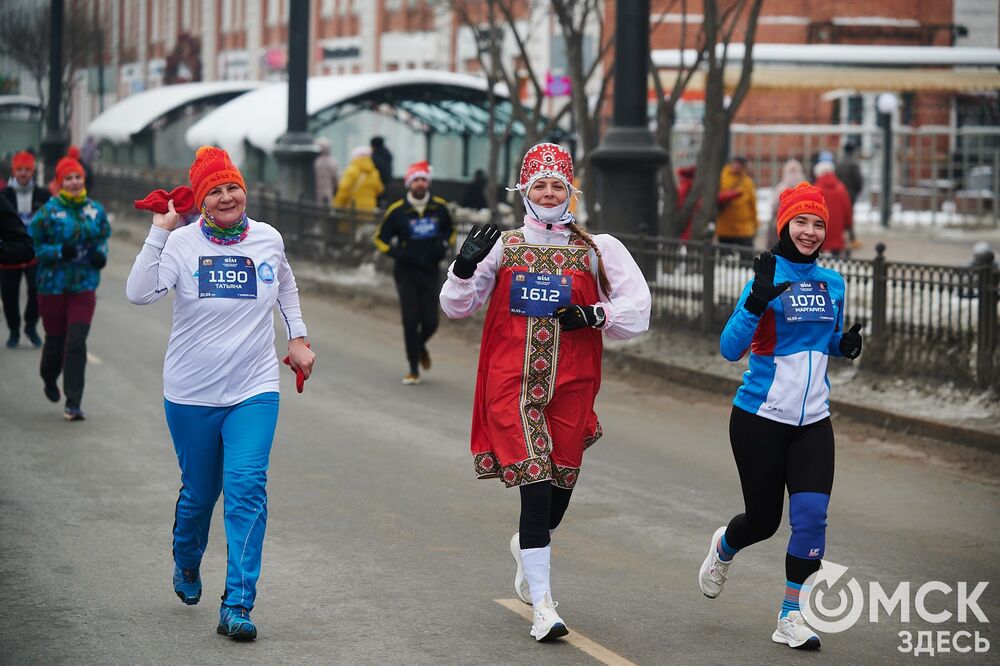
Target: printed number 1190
column 240, row 277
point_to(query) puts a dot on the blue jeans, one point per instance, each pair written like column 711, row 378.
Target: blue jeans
column 224, row 448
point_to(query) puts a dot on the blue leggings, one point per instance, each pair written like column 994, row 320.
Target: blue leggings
column 224, row 448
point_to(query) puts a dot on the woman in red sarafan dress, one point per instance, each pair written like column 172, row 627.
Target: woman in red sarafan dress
column 554, row 291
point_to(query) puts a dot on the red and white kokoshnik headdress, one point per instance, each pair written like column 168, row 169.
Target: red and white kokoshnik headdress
column 545, row 160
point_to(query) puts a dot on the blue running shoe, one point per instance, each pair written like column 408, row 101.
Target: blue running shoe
column 187, row 585
column 234, row 621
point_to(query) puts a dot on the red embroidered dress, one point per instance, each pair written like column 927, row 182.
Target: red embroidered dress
column 533, row 413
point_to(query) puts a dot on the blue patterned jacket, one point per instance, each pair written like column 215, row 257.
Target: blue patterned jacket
column 57, row 223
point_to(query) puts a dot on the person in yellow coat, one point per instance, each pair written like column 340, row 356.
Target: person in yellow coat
column 737, row 221
column 361, row 184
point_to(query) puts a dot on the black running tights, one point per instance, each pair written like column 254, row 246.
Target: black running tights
column 772, row 456
column 542, row 508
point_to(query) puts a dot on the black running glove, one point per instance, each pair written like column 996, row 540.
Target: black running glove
column 572, row 317
column 850, row 342
column 763, row 290
column 475, row 248
column 69, row 252
column 97, row 259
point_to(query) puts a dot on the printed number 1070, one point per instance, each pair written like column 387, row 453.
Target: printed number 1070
column 807, row 300
column 543, row 295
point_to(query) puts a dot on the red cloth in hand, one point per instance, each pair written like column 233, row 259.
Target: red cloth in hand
column 728, row 196
column 156, row 201
column 300, row 379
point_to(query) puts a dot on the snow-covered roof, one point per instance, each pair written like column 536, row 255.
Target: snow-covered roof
column 19, row 100
column 133, row 114
column 261, row 117
column 844, row 54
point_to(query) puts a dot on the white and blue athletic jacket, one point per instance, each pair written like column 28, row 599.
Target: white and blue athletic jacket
column 789, row 344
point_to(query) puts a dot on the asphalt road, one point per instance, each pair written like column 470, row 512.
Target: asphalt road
column 383, row 548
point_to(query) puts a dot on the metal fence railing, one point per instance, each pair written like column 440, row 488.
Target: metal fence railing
column 919, row 319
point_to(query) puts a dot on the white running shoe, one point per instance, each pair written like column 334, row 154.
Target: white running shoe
column 520, row 580
column 713, row 572
column 547, row 624
column 795, row 633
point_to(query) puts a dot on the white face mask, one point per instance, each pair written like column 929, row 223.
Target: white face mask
column 547, row 215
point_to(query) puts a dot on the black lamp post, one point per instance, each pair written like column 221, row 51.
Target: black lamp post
column 629, row 158
column 886, row 104
column 55, row 139
column 296, row 149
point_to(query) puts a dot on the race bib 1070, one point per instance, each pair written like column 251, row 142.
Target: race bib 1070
column 539, row 294
column 226, row 277
column 807, row 301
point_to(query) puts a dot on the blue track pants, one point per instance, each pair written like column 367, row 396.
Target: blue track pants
column 224, row 449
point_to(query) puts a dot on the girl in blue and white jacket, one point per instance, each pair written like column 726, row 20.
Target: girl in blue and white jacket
column 790, row 317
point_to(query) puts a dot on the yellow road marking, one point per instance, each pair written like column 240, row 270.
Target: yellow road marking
column 575, row 638
column 91, row 358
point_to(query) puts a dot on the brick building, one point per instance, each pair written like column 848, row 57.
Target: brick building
column 149, row 43
column 837, row 95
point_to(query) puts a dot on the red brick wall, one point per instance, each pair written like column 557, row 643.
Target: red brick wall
column 807, row 106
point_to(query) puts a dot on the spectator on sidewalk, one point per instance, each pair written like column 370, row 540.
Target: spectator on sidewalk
column 737, row 221
column 474, row 195
column 839, row 204
column 791, row 175
column 361, row 184
column 849, row 173
column 685, row 181
column 326, row 172
column 383, row 162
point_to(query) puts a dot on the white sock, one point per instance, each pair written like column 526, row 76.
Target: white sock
column 536, row 563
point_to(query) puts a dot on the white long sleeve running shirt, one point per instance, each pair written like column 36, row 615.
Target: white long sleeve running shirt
column 626, row 307
column 221, row 348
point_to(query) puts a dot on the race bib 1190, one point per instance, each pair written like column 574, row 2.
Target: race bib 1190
column 226, row 277
column 539, row 294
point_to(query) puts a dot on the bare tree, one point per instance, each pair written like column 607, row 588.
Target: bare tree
column 718, row 26
column 575, row 17
column 489, row 54
column 492, row 21
column 24, row 39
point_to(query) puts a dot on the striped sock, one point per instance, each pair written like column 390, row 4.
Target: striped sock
column 791, row 601
column 723, row 549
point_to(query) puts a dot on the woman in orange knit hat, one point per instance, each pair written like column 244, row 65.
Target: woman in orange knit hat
column 71, row 242
column 790, row 317
column 220, row 375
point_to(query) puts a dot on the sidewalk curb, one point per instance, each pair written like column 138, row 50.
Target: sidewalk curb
column 901, row 423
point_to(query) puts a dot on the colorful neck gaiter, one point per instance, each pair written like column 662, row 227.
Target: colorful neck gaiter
column 223, row 235
column 77, row 199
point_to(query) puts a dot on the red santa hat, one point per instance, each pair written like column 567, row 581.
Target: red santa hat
column 421, row 169
column 545, row 160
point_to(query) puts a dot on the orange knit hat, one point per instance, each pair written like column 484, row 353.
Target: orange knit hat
column 22, row 160
column 65, row 167
column 801, row 199
column 212, row 167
